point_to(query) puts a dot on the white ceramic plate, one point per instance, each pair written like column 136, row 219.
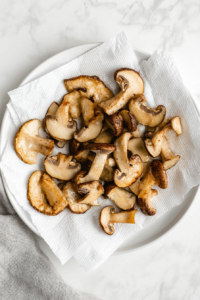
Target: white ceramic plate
column 144, row 237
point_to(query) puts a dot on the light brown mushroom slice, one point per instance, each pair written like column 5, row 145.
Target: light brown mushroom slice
column 129, row 120
column 28, row 143
column 151, row 131
column 51, row 112
column 74, row 100
column 90, row 87
column 176, row 125
column 168, row 157
column 102, row 151
column 83, row 156
column 42, row 202
column 93, row 191
column 130, row 83
column 145, row 115
column 73, row 199
column 159, row 174
column 87, row 108
column 60, row 144
column 108, row 218
column 136, row 133
column 60, row 126
column 107, row 174
column 146, row 194
column 136, row 185
column 154, row 145
column 115, row 123
column 120, row 154
column 136, row 146
column 122, row 198
column 105, row 137
column 61, row 166
column 111, row 162
column 92, row 130
column 53, row 194
column 135, row 168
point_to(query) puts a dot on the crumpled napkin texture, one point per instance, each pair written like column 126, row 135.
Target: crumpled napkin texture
column 81, row 236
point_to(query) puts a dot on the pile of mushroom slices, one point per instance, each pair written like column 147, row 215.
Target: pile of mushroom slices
column 108, row 156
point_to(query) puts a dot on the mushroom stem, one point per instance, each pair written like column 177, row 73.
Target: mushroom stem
column 123, row 217
column 38, row 144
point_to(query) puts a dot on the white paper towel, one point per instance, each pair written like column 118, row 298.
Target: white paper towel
column 80, row 235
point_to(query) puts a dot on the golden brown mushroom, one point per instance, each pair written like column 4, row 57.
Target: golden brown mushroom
column 122, row 198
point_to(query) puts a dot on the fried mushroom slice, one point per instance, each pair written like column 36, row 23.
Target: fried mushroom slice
column 169, row 159
column 136, row 146
column 87, row 108
column 146, row 194
column 105, row 137
column 176, row 125
column 130, row 83
column 145, row 115
column 59, row 125
column 151, row 131
column 92, row 130
column 28, row 143
column 122, row 198
column 129, row 120
column 93, row 191
column 154, row 145
column 74, row 100
column 107, row 174
column 73, row 199
column 108, row 218
column 136, row 185
column 51, row 111
column 90, row 87
column 115, row 123
column 61, row 166
column 159, row 174
column 60, row 144
column 120, row 154
column 102, row 151
column 44, row 195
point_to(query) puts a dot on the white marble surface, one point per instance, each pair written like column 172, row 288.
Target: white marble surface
column 32, row 31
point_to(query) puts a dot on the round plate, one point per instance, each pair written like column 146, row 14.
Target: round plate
column 148, row 234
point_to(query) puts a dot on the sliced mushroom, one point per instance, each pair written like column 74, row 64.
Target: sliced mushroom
column 136, row 146
column 129, row 120
column 107, row 174
column 87, row 108
column 59, row 125
column 60, row 144
column 28, row 143
column 115, row 123
column 105, row 137
column 61, row 166
column 44, row 195
column 145, row 115
column 107, row 218
column 92, row 130
column 151, row 131
column 122, row 198
column 136, row 133
column 74, row 100
column 50, row 112
column 93, row 191
column 120, row 154
column 159, row 173
column 130, row 83
column 102, row 151
column 84, row 155
column 146, row 194
column 90, row 87
column 154, row 145
column 73, row 199
column 168, row 157
column 176, row 125
column 136, row 185
column 135, row 168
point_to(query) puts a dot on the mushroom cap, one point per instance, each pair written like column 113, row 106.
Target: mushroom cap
column 134, row 172
column 92, row 130
column 145, row 115
column 130, row 83
column 104, row 219
column 168, row 157
column 115, row 123
column 90, row 87
column 38, row 199
column 145, row 203
column 61, row 166
column 122, row 198
column 159, row 173
column 101, row 148
column 129, row 120
column 28, row 143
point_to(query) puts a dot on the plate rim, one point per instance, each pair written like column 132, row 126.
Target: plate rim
column 17, row 207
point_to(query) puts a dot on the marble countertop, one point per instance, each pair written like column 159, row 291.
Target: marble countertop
column 31, row 32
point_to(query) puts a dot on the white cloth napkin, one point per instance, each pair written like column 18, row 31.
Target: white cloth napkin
column 80, row 235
